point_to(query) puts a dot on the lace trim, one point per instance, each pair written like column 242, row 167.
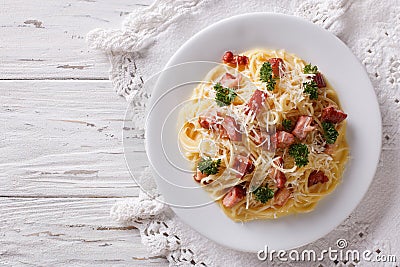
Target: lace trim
column 380, row 56
column 140, row 28
column 325, row 14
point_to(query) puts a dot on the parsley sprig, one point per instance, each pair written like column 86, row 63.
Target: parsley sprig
column 266, row 76
column 330, row 132
column 300, row 154
column 287, row 125
column 311, row 88
column 224, row 96
column 310, row 69
column 209, row 166
column 263, row 194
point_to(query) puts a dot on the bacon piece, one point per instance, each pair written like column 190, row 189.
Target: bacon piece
column 228, row 128
column 319, row 79
column 303, row 127
column 256, row 102
column 199, row 175
column 280, row 179
column 280, row 139
column 242, row 60
column 243, row 165
column 283, row 139
column 258, row 137
column 230, row 81
column 275, row 63
column 250, row 167
column 209, row 122
column 231, row 128
column 333, row 115
column 234, row 196
column 281, row 196
column 278, row 176
column 317, row 177
column 228, row 57
column 263, row 139
column 205, row 122
column 231, row 59
column 330, row 149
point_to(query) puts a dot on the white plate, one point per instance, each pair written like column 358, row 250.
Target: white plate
column 342, row 70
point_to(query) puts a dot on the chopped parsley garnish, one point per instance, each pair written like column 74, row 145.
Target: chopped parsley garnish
column 263, row 194
column 224, row 96
column 311, row 88
column 310, row 69
column 300, row 154
column 330, row 132
column 287, row 125
column 266, row 76
column 208, row 166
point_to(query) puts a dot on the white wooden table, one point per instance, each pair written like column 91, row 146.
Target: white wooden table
column 61, row 162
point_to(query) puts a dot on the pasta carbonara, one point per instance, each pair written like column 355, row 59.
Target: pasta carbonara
column 265, row 134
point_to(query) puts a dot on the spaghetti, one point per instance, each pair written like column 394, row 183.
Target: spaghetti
column 246, row 141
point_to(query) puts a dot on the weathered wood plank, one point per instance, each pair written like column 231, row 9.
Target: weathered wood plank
column 64, row 138
column 61, row 155
column 67, row 232
column 46, row 39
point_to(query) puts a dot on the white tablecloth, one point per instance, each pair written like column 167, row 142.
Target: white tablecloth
column 149, row 37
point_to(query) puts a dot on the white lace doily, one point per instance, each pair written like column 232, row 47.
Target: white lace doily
column 150, row 36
